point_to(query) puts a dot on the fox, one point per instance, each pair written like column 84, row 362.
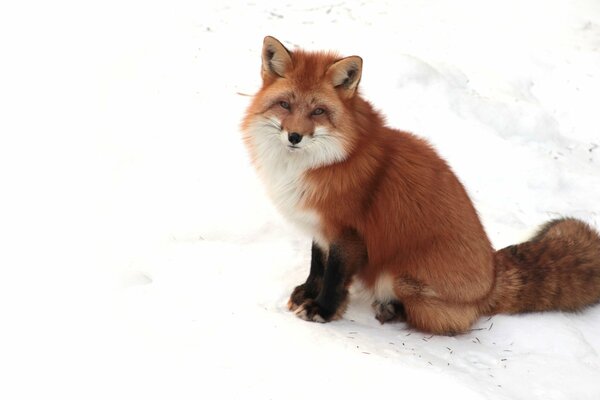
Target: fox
column 385, row 211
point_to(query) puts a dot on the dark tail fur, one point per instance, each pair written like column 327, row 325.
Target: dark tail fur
column 558, row 269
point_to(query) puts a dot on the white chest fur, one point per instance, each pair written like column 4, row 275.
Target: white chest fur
column 282, row 169
column 282, row 172
column 285, row 186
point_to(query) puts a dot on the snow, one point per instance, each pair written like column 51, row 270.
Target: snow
column 141, row 258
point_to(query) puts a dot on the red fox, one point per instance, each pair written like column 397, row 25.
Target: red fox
column 387, row 211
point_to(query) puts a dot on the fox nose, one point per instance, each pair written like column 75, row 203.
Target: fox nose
column 294, row 137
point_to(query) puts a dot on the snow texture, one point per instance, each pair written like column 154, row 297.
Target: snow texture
column 140, row 257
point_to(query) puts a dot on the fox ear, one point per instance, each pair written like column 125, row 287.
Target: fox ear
column 345, row 75
column 276, row 59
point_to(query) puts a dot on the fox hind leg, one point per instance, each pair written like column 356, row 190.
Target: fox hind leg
column 439, row 317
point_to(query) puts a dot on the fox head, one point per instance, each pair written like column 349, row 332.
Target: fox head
column 303, row 111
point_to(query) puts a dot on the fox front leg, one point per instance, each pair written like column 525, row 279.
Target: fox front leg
column 331, row 301
column 345, row 257
column 311, row 288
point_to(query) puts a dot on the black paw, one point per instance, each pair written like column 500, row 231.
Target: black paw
column 297, row 297
column 300, row 294
column 311, row 310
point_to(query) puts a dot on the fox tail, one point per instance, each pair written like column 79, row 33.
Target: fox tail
column 558, row 269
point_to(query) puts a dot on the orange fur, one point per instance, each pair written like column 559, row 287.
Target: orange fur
column 408, row 214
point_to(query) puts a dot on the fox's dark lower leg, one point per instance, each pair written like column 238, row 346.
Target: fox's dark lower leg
column 311, row 288
column 332, row 296
column 345, row 256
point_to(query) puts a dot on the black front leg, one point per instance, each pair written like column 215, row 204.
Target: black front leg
column 311, row 288
column 331, row 301
column 345, row 257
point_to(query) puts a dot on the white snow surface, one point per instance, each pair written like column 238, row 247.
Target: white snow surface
column 141, row 259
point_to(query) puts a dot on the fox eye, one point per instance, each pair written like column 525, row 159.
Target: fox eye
column 284, row 104
column 318, row 111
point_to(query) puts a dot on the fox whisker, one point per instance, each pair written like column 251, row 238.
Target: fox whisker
column 273, row 123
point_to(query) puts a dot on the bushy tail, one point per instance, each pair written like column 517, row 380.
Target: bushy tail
column 558, row 269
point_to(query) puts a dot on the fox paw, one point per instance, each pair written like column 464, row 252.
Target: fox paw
column 299, row 296
column 310, row 310
column 389, row 312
